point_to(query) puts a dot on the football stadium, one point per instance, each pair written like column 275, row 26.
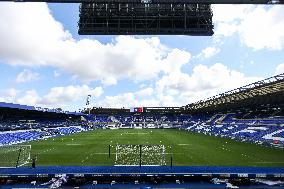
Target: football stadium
column 233, row 139
column 237, row 135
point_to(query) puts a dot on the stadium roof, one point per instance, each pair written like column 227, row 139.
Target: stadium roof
column 33, row 108
column 269, row 92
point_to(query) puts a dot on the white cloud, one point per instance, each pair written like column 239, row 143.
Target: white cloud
column 225, row 29
column 142, row 97
column 8, row 95
column 109, row 81
column 259, row 27
column 175, row 60
column 30, row 98
column 279, row 69
column 202, row 83
column 178, row 88
column 30, row 36
column 56, row 97
column 145, row 92
column 63, row 95
column 227, row 18
column 264, row 28
column 56, row 73
column 118, row 101
column 208, row 52
column 229, row 13
column 26, row 76
column 174, row 89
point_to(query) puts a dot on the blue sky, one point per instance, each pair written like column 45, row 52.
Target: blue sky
column 44, row 62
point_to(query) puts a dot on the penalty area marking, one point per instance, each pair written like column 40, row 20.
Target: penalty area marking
column 134, row 133
column 73, row 144
column 184, row 144
column 90, row 155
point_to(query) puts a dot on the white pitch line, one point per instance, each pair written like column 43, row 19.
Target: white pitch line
column 85, row 159
column 90, row 156
column 73, row 144
column 268, row 162
column 134, row 133
column 100, row 153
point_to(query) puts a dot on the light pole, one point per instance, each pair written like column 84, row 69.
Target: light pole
column 88, row 104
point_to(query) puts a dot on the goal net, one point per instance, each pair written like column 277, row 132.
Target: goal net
column 151, row 155
column 14, row 155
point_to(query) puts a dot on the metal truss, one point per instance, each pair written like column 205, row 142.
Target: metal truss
column 269, row 91
column 145, row 19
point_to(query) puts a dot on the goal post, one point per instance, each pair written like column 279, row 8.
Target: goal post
column 135, row 155
column 14, row 155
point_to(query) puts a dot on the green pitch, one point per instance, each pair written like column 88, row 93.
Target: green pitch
column 187, row 149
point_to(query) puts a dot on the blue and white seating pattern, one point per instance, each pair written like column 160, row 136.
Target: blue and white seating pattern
column 66, row 130
column 262, row 131
column 20, row 136
column 143, row 121
column 265, row 131
column 15, row 137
